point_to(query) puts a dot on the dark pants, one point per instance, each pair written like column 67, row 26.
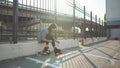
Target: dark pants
column 49, row 37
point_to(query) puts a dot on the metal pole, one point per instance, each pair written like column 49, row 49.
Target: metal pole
column 99, row 29
column 84, row 22
column 96, row 26
column 107, row 30
column 83, row 27
column 102, row 29
column 91, row 32
column 91, row 23
column 74, row 19
column 55, row 7
column 15, row 19
column 1, row 29
column 1, row 22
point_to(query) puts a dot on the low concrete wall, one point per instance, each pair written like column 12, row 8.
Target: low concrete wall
column 8, row 51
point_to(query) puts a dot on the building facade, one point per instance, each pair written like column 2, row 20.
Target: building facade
column 113, row 18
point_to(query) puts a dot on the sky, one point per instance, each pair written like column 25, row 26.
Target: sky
column 97, row 6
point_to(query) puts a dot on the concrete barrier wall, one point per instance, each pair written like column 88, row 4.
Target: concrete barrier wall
column 8, row 51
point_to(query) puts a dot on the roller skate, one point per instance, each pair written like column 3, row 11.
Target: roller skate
column 57, row 52
column 46, row 51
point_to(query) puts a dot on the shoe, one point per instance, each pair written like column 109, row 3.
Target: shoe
column 39, row 52
column 57, row 52
column 44, row 53
column 48, row 52
column 45, row 49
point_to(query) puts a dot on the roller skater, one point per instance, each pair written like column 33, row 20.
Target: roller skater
column 47, row 36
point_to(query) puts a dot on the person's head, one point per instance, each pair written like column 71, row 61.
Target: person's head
column 52, row 27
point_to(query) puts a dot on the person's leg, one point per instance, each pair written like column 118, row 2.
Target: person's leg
column 53, row 44
column 46, row 47
column 56, row 50
column 50, row 37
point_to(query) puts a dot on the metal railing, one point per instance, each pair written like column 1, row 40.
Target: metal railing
column 29, row 27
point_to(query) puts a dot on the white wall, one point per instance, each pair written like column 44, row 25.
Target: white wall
column 113, row 16
column 113, row 10
column 8, row 51
column 115, row 33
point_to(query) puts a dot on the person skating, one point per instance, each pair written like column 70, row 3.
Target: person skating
column 47, row 36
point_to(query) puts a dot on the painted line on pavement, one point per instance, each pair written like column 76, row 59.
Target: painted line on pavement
column 107, row 58
column 42, row 62
column 44, row 65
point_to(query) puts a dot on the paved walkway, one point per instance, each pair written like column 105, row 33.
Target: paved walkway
column 102, row 55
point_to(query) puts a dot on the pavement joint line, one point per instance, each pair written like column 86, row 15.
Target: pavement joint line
column 107, row 58
column 66, row 54
column 44, row 65
column 70, row 57
column 96, row 56
column 42, row 62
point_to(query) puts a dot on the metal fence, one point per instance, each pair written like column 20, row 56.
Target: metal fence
column 23, row 19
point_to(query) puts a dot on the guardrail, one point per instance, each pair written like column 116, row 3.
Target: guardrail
column 81, row 23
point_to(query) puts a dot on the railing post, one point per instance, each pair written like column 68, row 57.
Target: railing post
column 55, row 8
column 91, row 31
column 102, row 29
column 15, row 21
column 96, row 26
column 74, row 19
column 83, row 27
column 99, row 28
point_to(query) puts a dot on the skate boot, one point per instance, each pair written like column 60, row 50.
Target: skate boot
column 46, row 51
column 57, row 52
